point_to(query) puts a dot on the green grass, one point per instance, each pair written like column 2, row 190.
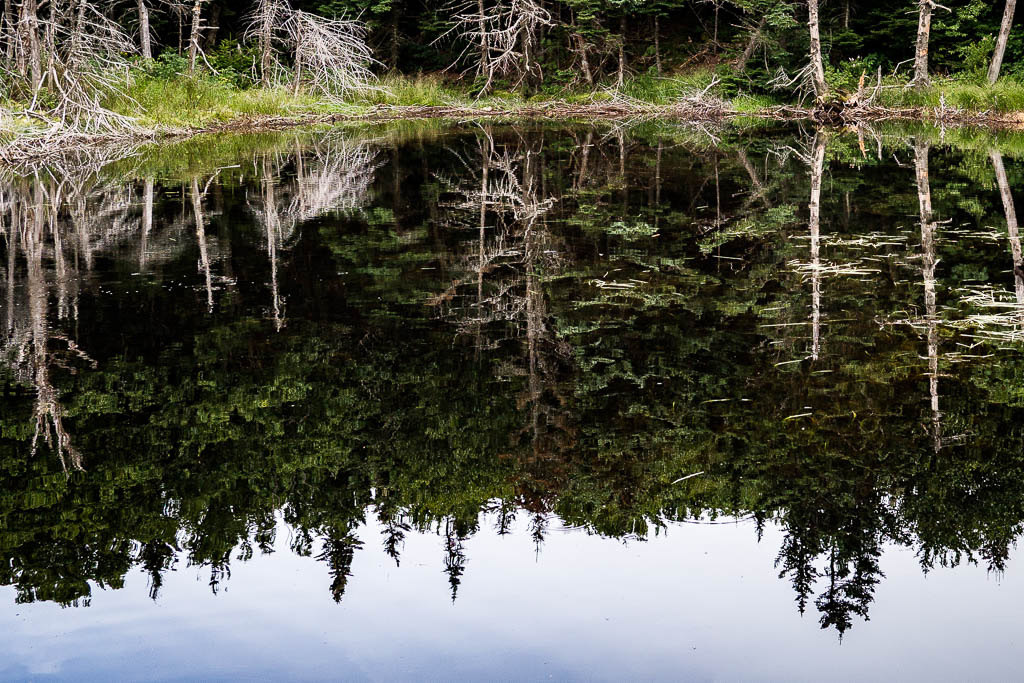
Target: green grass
column 974, row 95
column 200, row 101
column 410, row 91
column 668, row 89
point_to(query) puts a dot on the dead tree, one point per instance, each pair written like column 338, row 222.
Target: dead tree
column 331, row 55
column 78, row 56
column 194, row 35
column 504, row 35
column 264, row 23
column 814, row 208
column 204, row 258
column 28, row 39
column 924, row 28
column 145, row 37
column 1004, row 36
column 928, row 264
column 1012, row 230
column 817, row 64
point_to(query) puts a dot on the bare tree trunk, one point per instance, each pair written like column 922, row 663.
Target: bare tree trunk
column 928, row 263
column 145, row 39
column 657, row 44
column 265, row 41
column 814, row 209
column 29, row 30
column 1004, row 35
column 526, row 40
column 718, row 6
column 12, row 243
column 1012, row 228
column 204, row 258
column 193, row 42
column 9, row 32
column 272, row 224
column 755, row 40
column 584, row 61
column 485, row 57
column 147, row 221
column 297, row 85
column 817, row 65
column 924, row 29
column 622, row 52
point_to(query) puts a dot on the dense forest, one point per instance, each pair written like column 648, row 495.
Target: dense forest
column 69, row 58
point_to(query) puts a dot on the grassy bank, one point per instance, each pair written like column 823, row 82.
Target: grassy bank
column 177, row 103
column 195, row 102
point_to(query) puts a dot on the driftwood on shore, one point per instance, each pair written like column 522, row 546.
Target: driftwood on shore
column 698, row 110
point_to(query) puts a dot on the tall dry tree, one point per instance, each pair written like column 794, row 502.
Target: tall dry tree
column 1012, row 228
column 817, row 63
column 814, row 221
column 68, row 59
column 200, row 224
column 1004, row 36
column 29, row 43
column 331, row 55
column 145, row 35
column 924, row 29
column 504, row 35
column 929, row 260
column 264, row 24
column 194, row 34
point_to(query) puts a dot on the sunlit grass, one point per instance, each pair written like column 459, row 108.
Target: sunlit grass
column 668, row 89
column 191, row 102
column 1007, row 95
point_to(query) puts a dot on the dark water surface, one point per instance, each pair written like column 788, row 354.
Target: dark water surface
column 509, row 402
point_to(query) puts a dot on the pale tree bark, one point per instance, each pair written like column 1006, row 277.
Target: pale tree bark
column 485, row 50
column 928, row 263
column 204, row 258
column 1004, row 35
column 9, row 32
column 814, row 222
column 272, row 224
column 1012, row 228
column 12, row 243
column 266, row 19
column 584, row 61
column 924, row 29
column 193, row 42
column 28, row 31
column 145, row 38
column 147, row 222
column 817, row 64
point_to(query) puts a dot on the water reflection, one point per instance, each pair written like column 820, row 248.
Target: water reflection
column 619, row 328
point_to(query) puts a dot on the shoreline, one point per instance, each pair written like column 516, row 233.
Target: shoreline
column 38, row 148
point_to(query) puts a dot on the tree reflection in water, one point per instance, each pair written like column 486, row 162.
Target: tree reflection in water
column 435, row 328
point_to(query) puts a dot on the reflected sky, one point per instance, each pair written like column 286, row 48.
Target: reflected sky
column 566, row 402
column 699, row 603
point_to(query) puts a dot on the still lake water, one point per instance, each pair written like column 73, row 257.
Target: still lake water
column 517, row 402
